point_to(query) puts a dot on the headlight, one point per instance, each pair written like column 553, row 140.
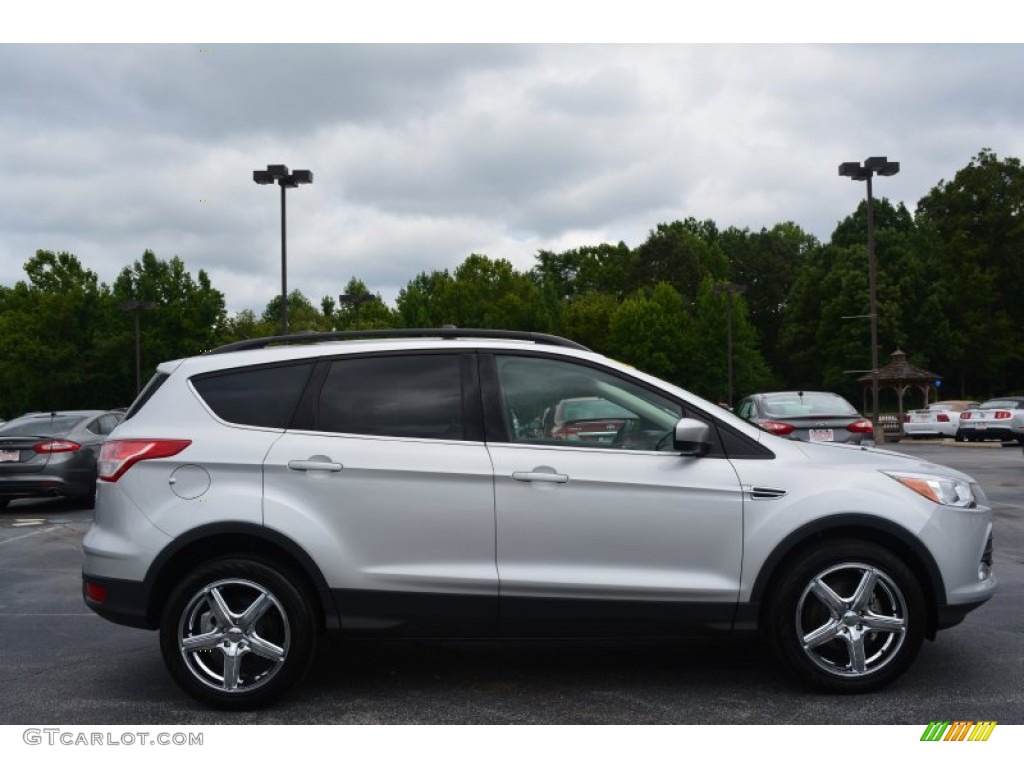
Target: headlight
column 942, row 490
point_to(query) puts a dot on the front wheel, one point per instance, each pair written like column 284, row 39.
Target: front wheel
column 847, row 617
column 236, row 633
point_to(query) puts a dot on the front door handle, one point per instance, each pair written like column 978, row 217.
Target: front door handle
column 321, row 463
column 540, row 477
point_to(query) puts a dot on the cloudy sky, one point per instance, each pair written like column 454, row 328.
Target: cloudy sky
column 423, row 154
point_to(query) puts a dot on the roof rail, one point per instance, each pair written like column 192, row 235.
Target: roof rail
column 398, row 333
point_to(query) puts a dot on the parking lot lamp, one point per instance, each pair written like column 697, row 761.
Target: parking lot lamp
column 729, row 289
column 881, row 166
column 286, row 180
column 355, row 300
column 137, row 307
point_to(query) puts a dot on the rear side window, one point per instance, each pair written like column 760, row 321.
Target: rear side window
column 260, row 397
column 402, row 396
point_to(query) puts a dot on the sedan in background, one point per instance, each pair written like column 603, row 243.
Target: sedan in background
column 587, row 419
column 939, row 419
column 817, row 417
column 53, row 454
column 1001, row 418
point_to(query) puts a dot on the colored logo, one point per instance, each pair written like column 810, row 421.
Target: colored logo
column 958, row 730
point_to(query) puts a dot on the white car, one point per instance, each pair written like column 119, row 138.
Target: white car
column 939, row 419
column 259, row 495
column 1001, row 418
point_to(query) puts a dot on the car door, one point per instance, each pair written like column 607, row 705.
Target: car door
column 388, row 484
column 606, row 538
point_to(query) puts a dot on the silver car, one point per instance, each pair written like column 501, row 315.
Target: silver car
column 999, row 419
column 384, row 486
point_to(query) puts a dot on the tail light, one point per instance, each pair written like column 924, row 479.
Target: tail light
column 56, row 446
column 906, row 417
column 777, row 427
column 863, row 426
column 965, row 416
column 1004, row 415
column 118, row 456
column 943, row 417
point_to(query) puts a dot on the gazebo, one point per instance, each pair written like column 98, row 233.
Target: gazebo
column 900, row 375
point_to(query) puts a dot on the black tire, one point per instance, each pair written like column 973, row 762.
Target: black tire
column 4, row 502
column 959, row 437
column 257, row 658
column 847, row 617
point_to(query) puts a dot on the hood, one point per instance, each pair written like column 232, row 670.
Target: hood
column 872, row 458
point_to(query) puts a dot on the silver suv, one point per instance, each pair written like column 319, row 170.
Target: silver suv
column 402, row 484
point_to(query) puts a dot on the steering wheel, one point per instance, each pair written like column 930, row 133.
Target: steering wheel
column 628, row 427
column 664, row 440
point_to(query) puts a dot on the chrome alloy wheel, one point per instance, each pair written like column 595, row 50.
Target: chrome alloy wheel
column 234, row 635
column 852, row 620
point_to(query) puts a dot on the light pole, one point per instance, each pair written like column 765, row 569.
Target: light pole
column 729, row 289
column 881, row 166
column 137, row 307
column 355, row 300
column 280, row 174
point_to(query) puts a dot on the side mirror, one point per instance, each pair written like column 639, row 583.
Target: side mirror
column 692, row 437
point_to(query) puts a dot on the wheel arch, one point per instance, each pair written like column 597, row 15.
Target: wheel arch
column 883, row 533
column 218, row 540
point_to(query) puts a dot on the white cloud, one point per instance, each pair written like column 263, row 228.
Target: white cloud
column 424, row 154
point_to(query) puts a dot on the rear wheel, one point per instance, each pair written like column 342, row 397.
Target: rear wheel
column 236, row 633
column 847, row 617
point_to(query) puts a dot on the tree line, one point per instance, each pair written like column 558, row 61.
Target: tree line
column 948, row 293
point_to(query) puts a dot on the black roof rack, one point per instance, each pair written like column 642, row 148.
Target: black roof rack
column 398, row 333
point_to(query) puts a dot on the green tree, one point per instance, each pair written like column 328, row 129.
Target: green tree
column 49, row 328
column 652, row 330
column 372, row 314
column 975, row 226
column 681, row 254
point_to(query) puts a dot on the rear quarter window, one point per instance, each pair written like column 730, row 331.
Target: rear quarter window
column 265, row 396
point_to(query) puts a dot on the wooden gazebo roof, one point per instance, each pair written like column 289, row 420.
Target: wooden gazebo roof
column 900, row 371
column 901, row 375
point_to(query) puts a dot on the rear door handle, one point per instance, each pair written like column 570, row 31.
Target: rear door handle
column 316, row 463
column 540, row 477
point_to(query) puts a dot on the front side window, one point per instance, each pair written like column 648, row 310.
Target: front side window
column 402, row 396
column 554, row 402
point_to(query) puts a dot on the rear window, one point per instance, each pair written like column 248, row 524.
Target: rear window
column 807, row 404
column 598, row 408
column 41, row 425
column 260, row 397
column 1007, row 404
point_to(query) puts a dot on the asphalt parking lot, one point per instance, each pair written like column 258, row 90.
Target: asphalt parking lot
column 64, row 665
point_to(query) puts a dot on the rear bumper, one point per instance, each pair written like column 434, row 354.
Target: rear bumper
column 28, row 486
column 123, row 602
column 990, row 433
